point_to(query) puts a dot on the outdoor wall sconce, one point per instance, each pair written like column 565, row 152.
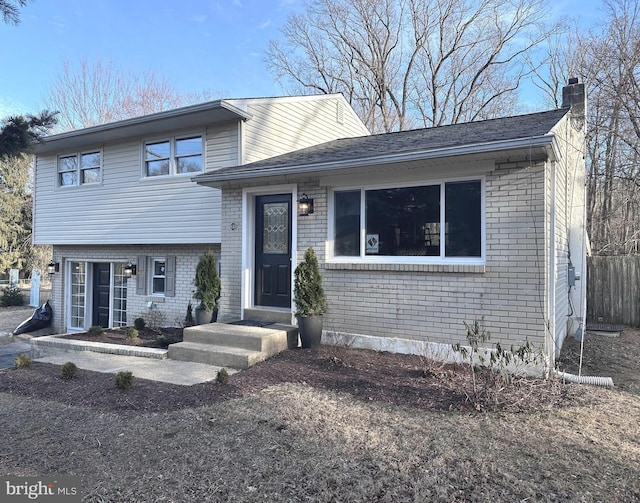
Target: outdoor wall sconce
column 53, row 267
column 129, row 270
column 305, row 205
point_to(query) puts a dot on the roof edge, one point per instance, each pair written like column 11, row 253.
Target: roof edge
column 231, row 175
column 158, row 116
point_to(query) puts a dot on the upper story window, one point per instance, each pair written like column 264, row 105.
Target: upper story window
column 174, row 156
column 79, row 169
column 442, row 221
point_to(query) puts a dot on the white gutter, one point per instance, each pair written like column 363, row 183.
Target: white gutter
column 167, row 114
column 376, row 160
column 125, row 126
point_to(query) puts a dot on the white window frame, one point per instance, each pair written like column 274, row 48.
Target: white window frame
column 72, row 300
column 387, row 259
column 173, row 156
column 153, row 275
column 78, row 168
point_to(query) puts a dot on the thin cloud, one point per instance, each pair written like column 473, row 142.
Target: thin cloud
column 199, row 18
column 58, row 23
column 237, row 3
column 264, row 25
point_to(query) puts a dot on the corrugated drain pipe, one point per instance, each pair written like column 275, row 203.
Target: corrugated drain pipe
column 595, row 380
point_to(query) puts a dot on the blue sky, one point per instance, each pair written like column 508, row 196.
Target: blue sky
column 213, row 45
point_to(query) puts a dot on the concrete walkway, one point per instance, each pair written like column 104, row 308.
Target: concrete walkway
column 9, row 350
column 169, row 371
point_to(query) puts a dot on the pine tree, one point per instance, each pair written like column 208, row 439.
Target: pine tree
column 15, row 212
column 19, row 133
column 307, row 291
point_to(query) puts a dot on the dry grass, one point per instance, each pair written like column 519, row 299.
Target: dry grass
column 292, row 442
column 281, row 432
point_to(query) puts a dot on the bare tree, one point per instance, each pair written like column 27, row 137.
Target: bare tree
column 612, row 66
column 608, row 59
column 404, row 63
column 100, row 92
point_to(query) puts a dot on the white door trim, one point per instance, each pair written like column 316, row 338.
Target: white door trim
column 249, row 232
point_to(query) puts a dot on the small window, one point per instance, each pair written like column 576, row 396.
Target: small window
column 189, row 155
column 68, row 171
column 157, row 158
column 174, row 156
column 158, row 276
column 79, row 169
column 90, row 167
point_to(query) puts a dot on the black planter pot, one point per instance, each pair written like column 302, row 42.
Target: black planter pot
column 310, row 328
column 204, row 316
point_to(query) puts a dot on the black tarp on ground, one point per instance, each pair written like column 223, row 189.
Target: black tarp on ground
column 40, row 318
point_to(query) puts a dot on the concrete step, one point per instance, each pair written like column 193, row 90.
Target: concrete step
column 234, row 346
column 238, row 336
column 271, row 315
column 211, row 354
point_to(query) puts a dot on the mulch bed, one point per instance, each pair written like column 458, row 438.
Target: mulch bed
column 147, row 337
column 401, row 380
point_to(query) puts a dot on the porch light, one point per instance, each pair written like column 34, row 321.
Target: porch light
column 129, row 270
column 305, row 206
column 53, row 267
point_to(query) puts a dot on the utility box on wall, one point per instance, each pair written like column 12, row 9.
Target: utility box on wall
column 572, row 276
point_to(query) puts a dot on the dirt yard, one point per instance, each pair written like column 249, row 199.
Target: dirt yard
column 328, row 425
column 615, row 357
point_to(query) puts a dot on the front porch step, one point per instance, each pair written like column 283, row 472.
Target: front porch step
column 234, row 346
column 266, row 314
column 211, row 354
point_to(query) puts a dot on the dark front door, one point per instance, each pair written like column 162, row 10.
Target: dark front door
column 101, row 287
column 273, row 251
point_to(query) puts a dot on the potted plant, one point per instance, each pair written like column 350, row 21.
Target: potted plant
column 207, row 291
column 310, row 300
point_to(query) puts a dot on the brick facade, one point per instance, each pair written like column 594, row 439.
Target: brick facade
column 428, row 303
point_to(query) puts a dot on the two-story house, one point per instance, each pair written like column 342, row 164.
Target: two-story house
column 122, row 193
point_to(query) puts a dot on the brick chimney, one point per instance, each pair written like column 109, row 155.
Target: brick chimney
column 573, row 97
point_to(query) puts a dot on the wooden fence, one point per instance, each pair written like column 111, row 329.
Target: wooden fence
column 613, row 289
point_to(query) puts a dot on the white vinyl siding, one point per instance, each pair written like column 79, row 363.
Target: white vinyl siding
column 279, row 126
column 127, row 209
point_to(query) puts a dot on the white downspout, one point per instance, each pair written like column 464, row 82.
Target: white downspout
column 552, row 270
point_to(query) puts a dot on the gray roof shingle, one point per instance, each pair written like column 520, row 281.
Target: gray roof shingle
column 404, row 142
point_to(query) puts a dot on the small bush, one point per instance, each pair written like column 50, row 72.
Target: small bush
column 131, row 333
column 12, row 296
column 22, row 360
column 124, row 380
column 223, row 376
column 68, row 370
column 163, row 340
column 139, row 323
column 95, row 331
